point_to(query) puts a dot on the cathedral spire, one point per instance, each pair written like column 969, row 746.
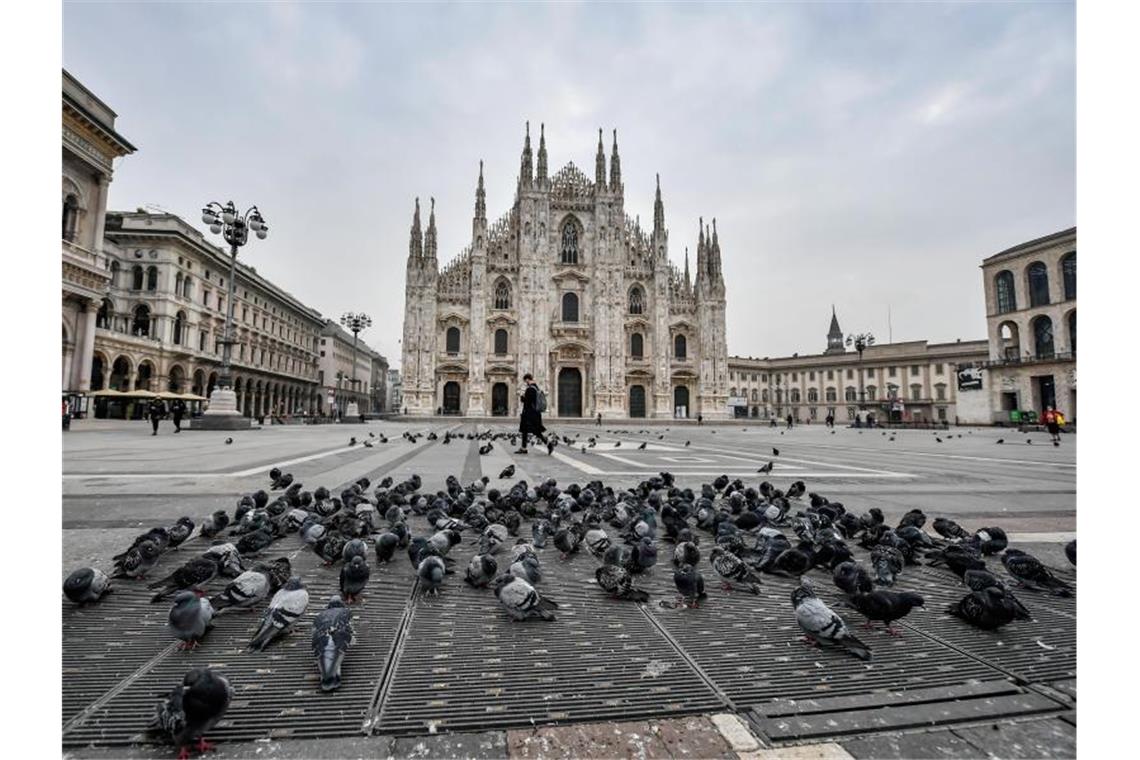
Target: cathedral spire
column 480, row 197
column 715, row 250
column 526, row 170
column 600, row 164
column 416, row 244
column 542, row 154
column 430, row 246
column 688, row 281
column 834, row 335
column 658, row 212
column 615, row 167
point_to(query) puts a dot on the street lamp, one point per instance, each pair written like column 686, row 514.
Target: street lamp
column 234, row 227
column 861, row 342
column 355, row 323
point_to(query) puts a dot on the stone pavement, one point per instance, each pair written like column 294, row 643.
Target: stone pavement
column 119, row 481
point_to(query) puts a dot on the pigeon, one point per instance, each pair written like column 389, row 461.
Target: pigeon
column 189, row 618
column 354, row 548
column 958, row 558
column 190, row 710
column 643, row 445
column 852, row 578
column 980, row 580
column 180, row 531
column 354, row 577
column 386, row 545
column 521, row 600
column 86, row 585
column 492, row 539
column 775, row 452
column 731, row 568
column 481, row 570
column 597, row 541
column 508, row 472
column 1031, row 574
column 137, row 561
column 618, row 583
column 284, row 609
column 690, row 584
column 568, row 540
column 193, row 575
column 887, row 562
column 988, row 609
column 821, row 625
column 1000, row 440
column 332, row 636
column 887, row 606
column 767, row 468
column 252, row 544
column 214, row 524
column 228, row 559
column 949, row 529
column 1071, row 552
column 431, row 571
column 330, row 547
column 686, row 553
column 229, row 441
column 252, row 586
column 528, row 568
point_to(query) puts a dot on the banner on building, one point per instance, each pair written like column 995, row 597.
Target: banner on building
column 969, row 379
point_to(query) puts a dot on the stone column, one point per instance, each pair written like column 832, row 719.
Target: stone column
column 68, row 354
column 100, row 213
column 86, row 348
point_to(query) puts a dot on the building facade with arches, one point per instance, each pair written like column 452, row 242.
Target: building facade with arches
column 90, row 147
column 567, row 286
column 1031, row 320
column 160, row 321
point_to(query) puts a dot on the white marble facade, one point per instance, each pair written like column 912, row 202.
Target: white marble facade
column 568, row 287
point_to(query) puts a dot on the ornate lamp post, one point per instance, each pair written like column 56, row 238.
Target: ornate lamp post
column 234, row 228
column 355, row 323
column 861, row 341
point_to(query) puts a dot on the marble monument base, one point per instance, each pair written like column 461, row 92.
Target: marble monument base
column 223, row 413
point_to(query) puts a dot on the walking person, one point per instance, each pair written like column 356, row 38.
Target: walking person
column 530, row 420
column 789, row 422
column 599, row 422
column 177, row 410
column 1052, row 424
column 156, row 410
column 700, row 419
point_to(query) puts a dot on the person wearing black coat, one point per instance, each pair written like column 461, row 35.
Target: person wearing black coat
column 177, row 410
column 156, row 410
column 530, row 421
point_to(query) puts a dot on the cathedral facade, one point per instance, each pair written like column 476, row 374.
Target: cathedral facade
column 565, row 286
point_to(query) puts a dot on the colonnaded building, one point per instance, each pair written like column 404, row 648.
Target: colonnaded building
column 565, row 285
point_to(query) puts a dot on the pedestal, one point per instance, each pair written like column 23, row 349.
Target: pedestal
column 222, row 413
column 352, row 410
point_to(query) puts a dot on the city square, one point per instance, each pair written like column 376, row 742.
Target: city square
column 567, row 380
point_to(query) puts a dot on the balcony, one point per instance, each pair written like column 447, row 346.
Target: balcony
column 1013, row 361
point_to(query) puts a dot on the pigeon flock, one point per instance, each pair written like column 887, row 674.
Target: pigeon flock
column 736, row 532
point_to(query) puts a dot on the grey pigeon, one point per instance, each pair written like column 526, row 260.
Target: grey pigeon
column 228, row 558
column 1033, row 575
column 852, row 578
column 481, row 570
column 686, row 553
column 386, row 545
column 597, row 541
column 431, row 571
column 521, row 600
column 887, row 562
column 353, row 548
column 494, row 536
column 732, row 570
column 245, row 591
column 180, row 531
column 690, row 584
column 287, row 605
column 1071, row 552
column 190, row 710
column 138, row 560
column 189, row 618
column 821, row 625
column 332, row 636
column 354, row 577
column 527, row 568
column 214, row 524
column 980, row 580
column 618, row 583
column 86, row 585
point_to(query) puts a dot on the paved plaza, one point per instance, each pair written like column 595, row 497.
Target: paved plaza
column 451, row 675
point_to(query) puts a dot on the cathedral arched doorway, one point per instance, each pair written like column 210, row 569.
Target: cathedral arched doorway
column 681, row 401
column 500, row 400
column 451, row 397
column 637, row 401
column 569, row 392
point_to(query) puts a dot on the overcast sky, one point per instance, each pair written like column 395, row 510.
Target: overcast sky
column 862, row 155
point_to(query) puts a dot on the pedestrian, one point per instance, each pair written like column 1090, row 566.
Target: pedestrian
column 1052, row 425
column 599, row 422
column 700, row 419
column 177, row 410
column 789, row 422
column 771, row 422
column 156, row 410
column 530, row 420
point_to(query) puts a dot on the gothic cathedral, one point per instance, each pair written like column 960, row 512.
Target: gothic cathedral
column 567, row 287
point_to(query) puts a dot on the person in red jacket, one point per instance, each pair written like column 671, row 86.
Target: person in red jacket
column 1052, row 425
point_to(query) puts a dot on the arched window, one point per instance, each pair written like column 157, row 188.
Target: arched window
column 779, row 395
column 764, row 396
column 754, row 395
column 1043, row 337
column 502, row 295
column 106, row 314
column 813, row 395
column 178, row 284
column 569, row 242
column 1006, row 297
column 1038, row 277
column 1073, row 332
column 152, row 278
column 870, row 391
column 732, row 391
column 179, row 326
column 636, row 346
column 570, row 307
column 849, row 393
column 831, row 396
column 136, row 277
column 500, row 342
column 1010, row 341
column 794, row 395
column 186, row 286
column 140, row 321
column 915, row 392
column 636, row 300
column 70, row 217
column 680, row 347
column 452, row 340
column 1069, row 274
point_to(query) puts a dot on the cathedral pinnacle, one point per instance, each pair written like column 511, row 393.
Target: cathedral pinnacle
column 600, row 164
column 542, row 154
column 480, row 197
column 526, row 170
column 416, row 244
column 615, row 167
column 658, row 212
column 430, row 237
column 688, row 280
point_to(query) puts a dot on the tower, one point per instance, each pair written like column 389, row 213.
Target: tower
column 835, row 336
column 418, row 347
